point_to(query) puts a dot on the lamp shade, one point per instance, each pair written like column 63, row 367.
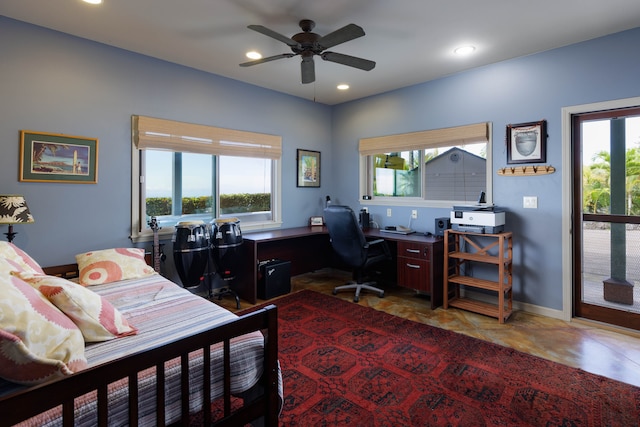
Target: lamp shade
column 14, row 209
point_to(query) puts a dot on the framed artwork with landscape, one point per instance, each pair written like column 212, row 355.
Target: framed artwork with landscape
column 53, row 157
column 527, row 142
column 308, row 168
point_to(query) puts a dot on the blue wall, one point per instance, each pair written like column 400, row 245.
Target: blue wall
column 521, row 90
column 53, row 82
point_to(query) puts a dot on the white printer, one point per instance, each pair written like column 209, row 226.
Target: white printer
column 478, row 219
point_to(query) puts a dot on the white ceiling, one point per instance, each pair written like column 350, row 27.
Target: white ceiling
column 411, row 41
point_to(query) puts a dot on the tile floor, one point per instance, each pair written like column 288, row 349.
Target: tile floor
column 579, row 344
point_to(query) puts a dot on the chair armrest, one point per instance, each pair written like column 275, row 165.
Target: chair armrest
column 374, row 242
column 382, row 242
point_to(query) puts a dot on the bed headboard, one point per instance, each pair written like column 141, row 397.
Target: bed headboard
column 70, row 271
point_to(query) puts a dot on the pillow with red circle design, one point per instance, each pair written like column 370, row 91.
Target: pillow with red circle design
column 95, row 316
column 111, row 265
column 37, row 341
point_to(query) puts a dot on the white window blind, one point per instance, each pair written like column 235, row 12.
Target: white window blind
column 446, row 137
column 153, row 133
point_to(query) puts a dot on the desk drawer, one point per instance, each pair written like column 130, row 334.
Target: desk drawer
column 415, row 250
column 414, row 274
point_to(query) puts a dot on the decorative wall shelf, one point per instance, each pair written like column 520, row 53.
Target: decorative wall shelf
column 526, row 170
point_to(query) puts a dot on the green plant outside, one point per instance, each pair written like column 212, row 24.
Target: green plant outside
column 596, row 183
column 229, row 204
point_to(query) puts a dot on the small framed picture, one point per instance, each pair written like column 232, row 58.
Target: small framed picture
column 316, row 220
column 54, row 157
column 527, row 142
column 308, row 168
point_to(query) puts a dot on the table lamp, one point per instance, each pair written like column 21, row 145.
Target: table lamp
column 13, row 210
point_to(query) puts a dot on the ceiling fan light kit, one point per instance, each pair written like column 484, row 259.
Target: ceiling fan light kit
column 308, row 44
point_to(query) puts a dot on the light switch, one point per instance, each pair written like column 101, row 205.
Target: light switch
column 530, row 202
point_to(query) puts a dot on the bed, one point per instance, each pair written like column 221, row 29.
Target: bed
column 177, row 357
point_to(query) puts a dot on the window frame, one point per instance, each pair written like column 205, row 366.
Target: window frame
column 445, row 137
column 241, row 140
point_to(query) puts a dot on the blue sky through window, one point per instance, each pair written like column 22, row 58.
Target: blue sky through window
column 238, row 174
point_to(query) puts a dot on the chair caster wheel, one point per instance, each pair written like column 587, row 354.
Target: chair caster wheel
column 381, row 295
column 356, row 299
column 334, row 292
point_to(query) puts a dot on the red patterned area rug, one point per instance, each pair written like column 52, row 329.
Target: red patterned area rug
column 345, row 364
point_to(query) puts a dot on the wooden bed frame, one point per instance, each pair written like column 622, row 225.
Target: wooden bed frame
column 261, row 403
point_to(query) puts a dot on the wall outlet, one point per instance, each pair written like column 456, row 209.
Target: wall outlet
column 389, row 212
column 530, row 202
column 414, row 214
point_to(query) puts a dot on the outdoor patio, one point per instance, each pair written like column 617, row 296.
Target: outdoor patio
column 597, row 267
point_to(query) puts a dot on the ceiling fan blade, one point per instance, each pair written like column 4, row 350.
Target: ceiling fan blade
column 351, row 61
column 267, row 32
column 308, row 70
column 267, row 59
column 344, row 34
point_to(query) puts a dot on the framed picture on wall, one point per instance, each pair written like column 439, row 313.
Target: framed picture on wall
column 308, row 168
column 527, row 142
column 54, row 157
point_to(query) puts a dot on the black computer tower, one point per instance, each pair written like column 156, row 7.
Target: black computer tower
column 274, row 279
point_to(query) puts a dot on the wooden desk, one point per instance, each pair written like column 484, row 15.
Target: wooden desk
column 419, row 262
column 418, row 258
column 308, row 249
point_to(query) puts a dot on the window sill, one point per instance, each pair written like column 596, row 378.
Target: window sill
column 166, row 233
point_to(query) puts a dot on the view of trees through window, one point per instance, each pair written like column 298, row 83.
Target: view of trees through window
column 179, row 185
column 397, row 174
column 597, row 167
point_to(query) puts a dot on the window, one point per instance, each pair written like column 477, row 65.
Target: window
column 396, row 174
column 187, row 172
column 435, row 168
column 251, row 178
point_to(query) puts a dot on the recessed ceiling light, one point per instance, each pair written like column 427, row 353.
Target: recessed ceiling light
column 343, row 86
column 253, row 55
column 93, row 1
column 464, row 50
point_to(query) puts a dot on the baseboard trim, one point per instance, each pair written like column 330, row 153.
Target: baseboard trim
column 517, row 305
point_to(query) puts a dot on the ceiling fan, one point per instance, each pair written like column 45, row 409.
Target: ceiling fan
column 307, row 44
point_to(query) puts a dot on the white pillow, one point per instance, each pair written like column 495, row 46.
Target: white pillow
column 37, row 341
column 96, row 317
column 19, row 257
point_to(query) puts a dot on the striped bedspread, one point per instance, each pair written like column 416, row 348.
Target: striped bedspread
column 164, row 312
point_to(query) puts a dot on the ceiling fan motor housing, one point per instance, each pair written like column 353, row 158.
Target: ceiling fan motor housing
column 308, row 41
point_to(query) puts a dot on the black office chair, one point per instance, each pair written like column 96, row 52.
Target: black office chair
column 349, row 243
